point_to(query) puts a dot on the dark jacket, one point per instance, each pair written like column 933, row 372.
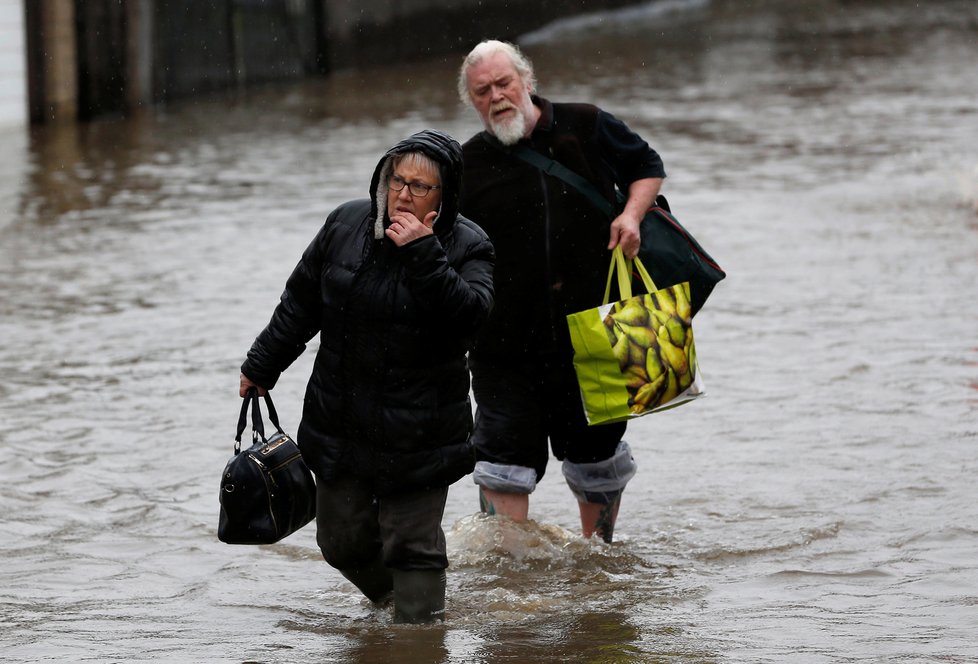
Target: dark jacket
column 388, row 398
column 550, row 241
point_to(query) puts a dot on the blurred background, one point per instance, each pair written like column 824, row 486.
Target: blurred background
column 165, row 163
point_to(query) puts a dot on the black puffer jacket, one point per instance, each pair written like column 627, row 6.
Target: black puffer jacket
column 388, row 399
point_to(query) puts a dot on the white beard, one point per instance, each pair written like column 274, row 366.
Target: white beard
column 509, row 132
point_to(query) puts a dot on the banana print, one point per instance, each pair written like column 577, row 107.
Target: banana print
column 666, row 300
column 672, row 355
column 653, row 366
column 642, row 336
column 672, row 386
column 652, row 339
column 677, row 332
column 683, row 306
column 622, row 350
column 633, row 313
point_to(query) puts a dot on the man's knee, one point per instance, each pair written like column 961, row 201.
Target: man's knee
column 601, row 482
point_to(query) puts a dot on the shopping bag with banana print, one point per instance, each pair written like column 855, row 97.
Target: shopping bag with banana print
column 635, row 356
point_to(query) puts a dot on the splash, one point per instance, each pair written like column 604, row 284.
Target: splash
column 494, row 540
column 512, row 571
column 497, row 542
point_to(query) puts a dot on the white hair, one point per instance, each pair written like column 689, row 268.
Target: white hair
column 487, row 48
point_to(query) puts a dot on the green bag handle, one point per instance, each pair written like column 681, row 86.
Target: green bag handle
column 622, row 267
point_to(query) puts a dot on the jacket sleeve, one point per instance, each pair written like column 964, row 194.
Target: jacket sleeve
column 461, row 294
column 294, row 322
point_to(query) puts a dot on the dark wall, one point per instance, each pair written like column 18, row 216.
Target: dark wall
column 365, row 32
column 192, row 51
column 220, row 44
column 122, row 54
column 101, row 43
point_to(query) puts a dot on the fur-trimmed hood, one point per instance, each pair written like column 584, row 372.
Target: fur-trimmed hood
column 446, row 152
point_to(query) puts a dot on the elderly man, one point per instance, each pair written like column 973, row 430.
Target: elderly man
column 552, row 255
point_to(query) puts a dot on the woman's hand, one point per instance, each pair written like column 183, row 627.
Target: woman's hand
column 405, row 227
column 246, row 385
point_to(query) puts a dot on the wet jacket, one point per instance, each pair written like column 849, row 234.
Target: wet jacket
column 551, row 242
column 388, row 398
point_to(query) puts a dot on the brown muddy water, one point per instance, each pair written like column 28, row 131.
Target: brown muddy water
column 819, row 505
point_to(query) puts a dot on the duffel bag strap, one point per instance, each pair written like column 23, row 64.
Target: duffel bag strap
column 558, row 170
column 579, row 182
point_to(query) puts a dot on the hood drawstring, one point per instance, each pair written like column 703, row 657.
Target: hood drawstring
column 381, row 201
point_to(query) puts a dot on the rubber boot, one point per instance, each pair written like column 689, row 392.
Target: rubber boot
column 373, row 579
column 419, row 596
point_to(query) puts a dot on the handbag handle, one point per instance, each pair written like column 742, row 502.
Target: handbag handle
column 257, row 426
column 622, row 267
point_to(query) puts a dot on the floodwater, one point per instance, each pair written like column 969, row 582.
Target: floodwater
column 818, row 505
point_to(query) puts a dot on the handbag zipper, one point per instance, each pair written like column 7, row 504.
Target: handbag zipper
column 268, row 470
column 266, row 476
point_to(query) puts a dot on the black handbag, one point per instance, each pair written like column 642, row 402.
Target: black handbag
column 267, row 492
column 668, row 251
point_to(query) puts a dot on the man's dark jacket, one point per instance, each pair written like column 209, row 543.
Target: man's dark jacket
column 388, row 398
column 551, row 243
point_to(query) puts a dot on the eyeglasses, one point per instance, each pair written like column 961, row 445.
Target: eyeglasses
column 417, row 189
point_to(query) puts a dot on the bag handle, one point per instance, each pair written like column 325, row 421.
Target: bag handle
column 650, row 286
column 257, row 426
column 622, row 267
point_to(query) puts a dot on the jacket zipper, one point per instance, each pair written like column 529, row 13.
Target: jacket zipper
column 547, row 263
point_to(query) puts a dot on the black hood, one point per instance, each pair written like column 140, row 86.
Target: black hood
column 446, row 152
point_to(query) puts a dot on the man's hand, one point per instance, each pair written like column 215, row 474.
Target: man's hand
column 625, row 228
column 246, row 385
column 625, row 232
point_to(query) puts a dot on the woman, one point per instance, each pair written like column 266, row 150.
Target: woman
column 396, row 286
